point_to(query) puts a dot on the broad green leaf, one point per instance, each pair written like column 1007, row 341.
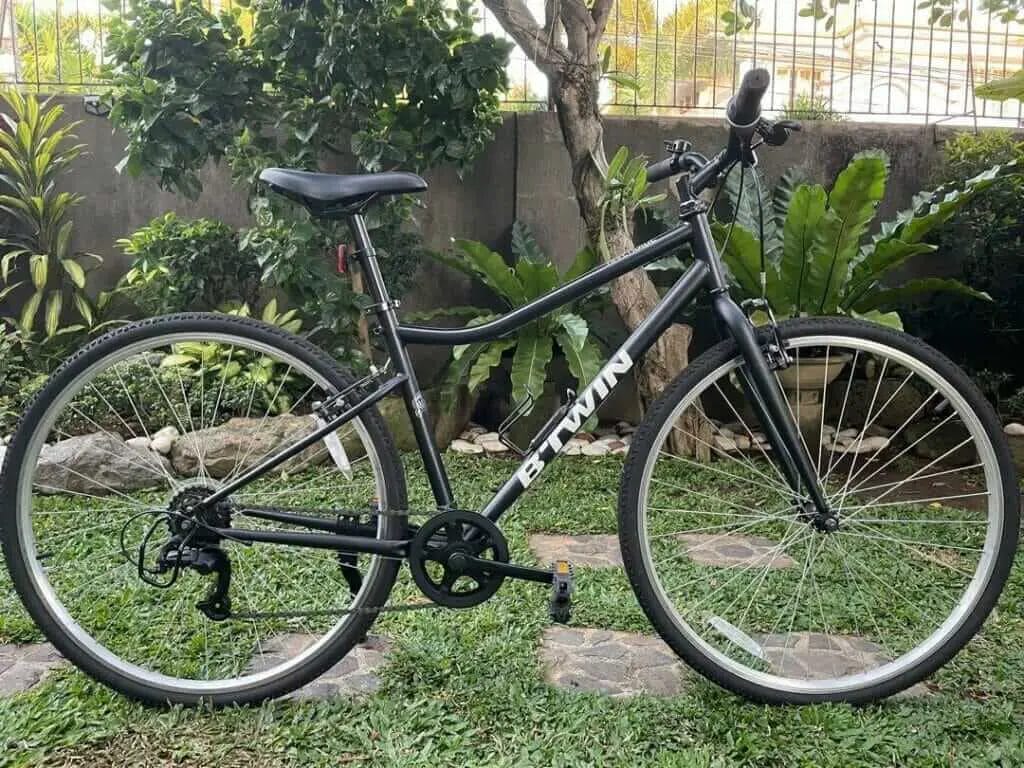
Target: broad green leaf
column 536, row 278
column 457, row 372
column 623, row 80
column 617, row 162
column 584, row 361
column 171, row 361
column 743, row 208
column 28, row 312
column 39, row 268
column 75, row 272
column 53, row 306
column 534, row 351
column 83, row 307
column 890, row 319
column 491, row 268
column 875, row 262
column 742, row 257
column 851, row 207
column 574, row 326
column 270, row 311
column 806, row 208
column 430, row 314
column 1011, row 87
column 488, row 359
column 585, row 260
column 524, row 245
column 911, row 289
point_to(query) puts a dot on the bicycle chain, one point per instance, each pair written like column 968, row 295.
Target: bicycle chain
column 399, row 608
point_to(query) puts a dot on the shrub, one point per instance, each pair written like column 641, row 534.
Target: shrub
column 983, row 246
column 180, row 265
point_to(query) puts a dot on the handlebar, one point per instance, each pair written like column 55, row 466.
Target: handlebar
column 744, row 108
column 743, row 113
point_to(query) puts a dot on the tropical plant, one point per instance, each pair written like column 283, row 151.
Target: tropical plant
column 626, row 192
column 180, row 265
column 807, row 107
column 34, row 152
column 533, row 348
column 57, row 49
column 819, row 255
column 242, row 371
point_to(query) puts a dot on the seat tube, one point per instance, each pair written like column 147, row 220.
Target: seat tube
column 387, row 327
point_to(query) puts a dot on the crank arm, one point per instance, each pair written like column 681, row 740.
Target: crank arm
column 480, row 566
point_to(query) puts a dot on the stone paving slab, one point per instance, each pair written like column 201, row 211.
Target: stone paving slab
column 618, row 664
column 354, row 674
column 587, row 550
column 818, row 656
column 23, row 666
column 733, row 550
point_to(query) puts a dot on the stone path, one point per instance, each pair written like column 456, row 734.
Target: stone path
column 819, row 656
column 354, row 674
column 617, row 664
column 586, row 550
column 732, row 550
column 23, row 666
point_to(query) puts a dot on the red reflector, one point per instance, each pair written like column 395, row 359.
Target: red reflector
column 342, row 258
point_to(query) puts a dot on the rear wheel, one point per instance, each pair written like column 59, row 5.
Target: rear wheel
column 91, row 496
column 751, row 589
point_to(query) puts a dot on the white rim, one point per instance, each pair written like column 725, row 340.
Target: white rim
column 41, row 583
column 923, row 650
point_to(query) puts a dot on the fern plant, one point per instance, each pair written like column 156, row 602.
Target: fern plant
column 820, row 255
column 34, row 152
column 533, row 347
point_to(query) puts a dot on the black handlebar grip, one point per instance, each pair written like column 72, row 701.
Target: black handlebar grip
column 662, row 169
column 744, row 108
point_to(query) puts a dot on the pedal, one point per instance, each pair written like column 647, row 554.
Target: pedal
column 560, row 607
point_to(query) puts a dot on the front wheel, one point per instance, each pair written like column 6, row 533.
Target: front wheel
column 751, row 589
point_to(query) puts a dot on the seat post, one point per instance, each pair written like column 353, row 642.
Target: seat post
column 387, row 326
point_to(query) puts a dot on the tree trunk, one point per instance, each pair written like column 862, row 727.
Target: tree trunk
column 575, row 93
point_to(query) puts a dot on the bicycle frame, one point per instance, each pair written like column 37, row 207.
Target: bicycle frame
column 706, row 273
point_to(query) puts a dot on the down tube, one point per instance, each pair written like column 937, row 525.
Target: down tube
column 588, row 401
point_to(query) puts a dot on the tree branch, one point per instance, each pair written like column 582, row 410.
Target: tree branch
column 579, row 28
column 541, row 47
column 599, row 13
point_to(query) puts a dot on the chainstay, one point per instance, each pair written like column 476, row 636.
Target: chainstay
column 401, row 608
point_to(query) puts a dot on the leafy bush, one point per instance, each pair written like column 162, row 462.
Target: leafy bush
column 533, row 347
column 820, row 258
column 984, row 247
column 179, row 265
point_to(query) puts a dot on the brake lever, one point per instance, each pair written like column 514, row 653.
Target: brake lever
column 776, row 134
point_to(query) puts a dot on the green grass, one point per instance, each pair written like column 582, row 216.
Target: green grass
column 465, row 688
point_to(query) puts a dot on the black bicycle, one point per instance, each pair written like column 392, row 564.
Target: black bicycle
column 816, row 510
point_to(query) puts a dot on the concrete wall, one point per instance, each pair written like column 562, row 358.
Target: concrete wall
column 524, row 174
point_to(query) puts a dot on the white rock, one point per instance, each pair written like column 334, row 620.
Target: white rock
column 620, row 451
column 828, row 429
column 724, row 443
column 743, row 442
column 760, row 439
column 851, row 432
column 493, row 446
column 487, row 437
column 596, row 448
column 1014, row 429
column 575, row 446
column 163, row 440
column 464, row 446
column 139, row 443
column 876, row 443
column 625, row 428
column 727, row 433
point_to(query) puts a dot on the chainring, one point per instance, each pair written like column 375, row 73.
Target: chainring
column 456, row 533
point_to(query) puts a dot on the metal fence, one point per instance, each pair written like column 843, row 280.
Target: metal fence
column 881, row 60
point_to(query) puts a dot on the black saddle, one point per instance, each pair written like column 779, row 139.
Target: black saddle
column 333, row 193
